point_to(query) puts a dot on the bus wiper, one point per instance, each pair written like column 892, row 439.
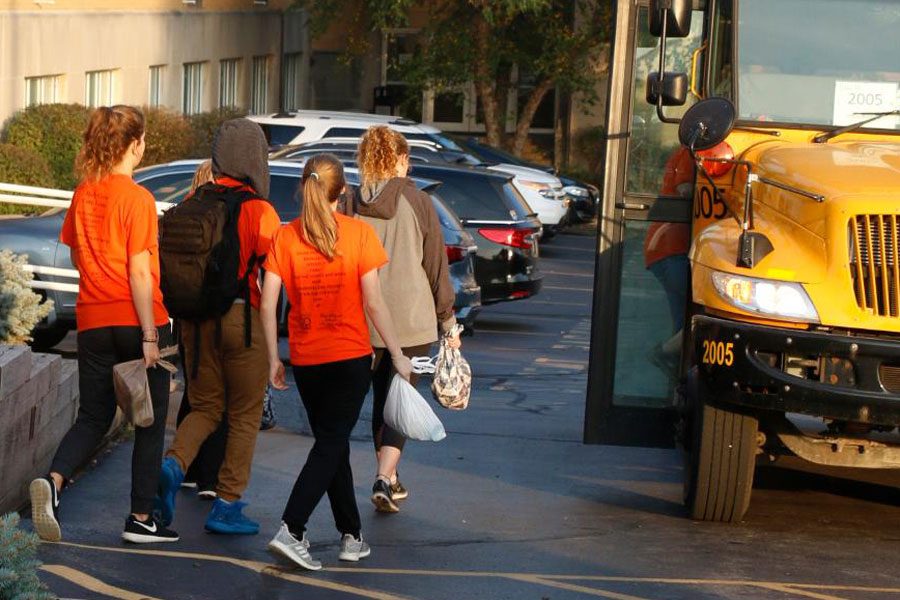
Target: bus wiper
column 824, row 137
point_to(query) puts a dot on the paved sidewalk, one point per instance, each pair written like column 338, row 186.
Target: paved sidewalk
column 510, row 505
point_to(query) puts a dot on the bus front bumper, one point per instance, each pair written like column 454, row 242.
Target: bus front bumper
column 840, row 377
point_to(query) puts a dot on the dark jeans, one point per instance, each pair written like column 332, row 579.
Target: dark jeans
column 204, row 471
column 674, row 273
column 333, row 395
column 98, row 351
column 382, row 374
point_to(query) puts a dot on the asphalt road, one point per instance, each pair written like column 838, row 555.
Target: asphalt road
column 510, row 505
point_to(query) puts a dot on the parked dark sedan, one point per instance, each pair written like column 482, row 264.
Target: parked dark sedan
column 170, row 182
column 583, row 197
column 504, row 227
column 502, row 224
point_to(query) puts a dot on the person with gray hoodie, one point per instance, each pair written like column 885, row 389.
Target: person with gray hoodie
column 416, row 284
column 225, row 356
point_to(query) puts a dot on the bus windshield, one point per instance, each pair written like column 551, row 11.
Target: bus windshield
column 819, row 62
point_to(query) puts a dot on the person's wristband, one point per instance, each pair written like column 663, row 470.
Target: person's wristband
column 151, row 337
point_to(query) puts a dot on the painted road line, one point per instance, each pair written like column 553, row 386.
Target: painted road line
column 252, row 565
column 505, row 331
column 567, row 289
column 582, row 304
column 571, row 587
column 786, row 589
column 567, row 274
column 83, row 580
column 798, row 589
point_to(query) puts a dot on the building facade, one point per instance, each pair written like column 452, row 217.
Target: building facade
column 187, row 55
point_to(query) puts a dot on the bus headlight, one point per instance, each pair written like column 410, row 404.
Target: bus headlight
column 783, row 299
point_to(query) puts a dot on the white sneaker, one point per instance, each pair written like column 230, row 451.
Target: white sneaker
column 293, row 549
column 353, row 549
column 44, row 509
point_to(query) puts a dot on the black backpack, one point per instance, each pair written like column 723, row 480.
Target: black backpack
column 199, row 254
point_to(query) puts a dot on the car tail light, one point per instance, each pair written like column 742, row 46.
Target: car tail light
column 456, row 253
column 719, row 151
column 517, row 238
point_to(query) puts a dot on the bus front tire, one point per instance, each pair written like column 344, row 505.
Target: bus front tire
column 720, row 464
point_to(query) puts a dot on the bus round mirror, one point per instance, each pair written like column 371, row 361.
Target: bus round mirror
column 678, row 21
column 706, row 123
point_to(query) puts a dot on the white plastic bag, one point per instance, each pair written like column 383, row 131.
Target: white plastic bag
column 408, row 413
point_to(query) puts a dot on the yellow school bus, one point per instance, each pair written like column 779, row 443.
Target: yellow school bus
column 747, row 289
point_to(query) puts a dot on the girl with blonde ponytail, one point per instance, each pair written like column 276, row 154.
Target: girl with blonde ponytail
column 329, row 266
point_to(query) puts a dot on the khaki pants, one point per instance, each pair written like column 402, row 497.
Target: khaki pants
column 231, row 379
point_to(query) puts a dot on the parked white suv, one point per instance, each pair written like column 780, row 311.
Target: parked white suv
column 542, row 191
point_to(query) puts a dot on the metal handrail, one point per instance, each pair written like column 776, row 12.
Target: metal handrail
column 50, row 198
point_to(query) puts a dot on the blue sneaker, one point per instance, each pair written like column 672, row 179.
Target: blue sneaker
column 226, row 517
column 170, row 478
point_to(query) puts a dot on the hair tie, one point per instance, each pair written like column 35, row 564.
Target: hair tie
column 315, row 175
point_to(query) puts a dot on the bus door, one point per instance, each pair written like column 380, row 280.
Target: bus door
column 642, row 276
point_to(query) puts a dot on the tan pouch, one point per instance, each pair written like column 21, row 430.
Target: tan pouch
column 133, row 388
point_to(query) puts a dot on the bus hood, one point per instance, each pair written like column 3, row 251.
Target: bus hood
column 833, row 169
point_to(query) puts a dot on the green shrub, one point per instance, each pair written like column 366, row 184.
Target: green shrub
column 54, row 131
column 20, row 308
column 205, row 126
column 24, row 167
column 18, row 565
column 169, row 136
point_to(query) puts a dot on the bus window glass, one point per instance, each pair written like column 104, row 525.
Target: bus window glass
column 819, row 62
column 653, row 142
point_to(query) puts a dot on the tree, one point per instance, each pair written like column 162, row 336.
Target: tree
column 553, row 43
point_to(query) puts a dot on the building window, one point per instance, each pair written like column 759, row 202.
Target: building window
column 259, row 90
column 192, row 96
column 156, row 85
column 291, row 86
column 335, row 84
column 99, row 88
column 228, row 82
column 43, row 90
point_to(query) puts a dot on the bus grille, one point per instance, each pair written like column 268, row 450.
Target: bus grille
column 875, row 263
column 890, row 378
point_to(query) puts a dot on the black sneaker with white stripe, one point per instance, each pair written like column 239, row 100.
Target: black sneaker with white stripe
column 45, row 509
column 147, row 532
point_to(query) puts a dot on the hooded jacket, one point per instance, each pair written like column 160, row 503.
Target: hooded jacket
column 416, row 282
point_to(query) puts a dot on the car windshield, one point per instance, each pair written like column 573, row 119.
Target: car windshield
column 444, row 141
column 281, row 135
column 819, row 62
column 476, row 197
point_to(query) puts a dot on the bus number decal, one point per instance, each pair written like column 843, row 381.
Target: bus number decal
column 709, row 205
column 718, row 353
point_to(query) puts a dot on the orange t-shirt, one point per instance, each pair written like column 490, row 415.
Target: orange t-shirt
column 327, row 322
column 670, row 239
column 109, row 221
column 257, row 223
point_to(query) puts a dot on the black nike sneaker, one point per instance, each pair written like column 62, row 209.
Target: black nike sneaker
column 383, row 498
column 147, row 532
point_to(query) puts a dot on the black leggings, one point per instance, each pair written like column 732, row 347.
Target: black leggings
column 333, row 395
column 382, row 374
column 98, row 351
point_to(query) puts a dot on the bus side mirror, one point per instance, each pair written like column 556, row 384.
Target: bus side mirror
column 672, row 89
column 706, row 123
column 677, row 15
